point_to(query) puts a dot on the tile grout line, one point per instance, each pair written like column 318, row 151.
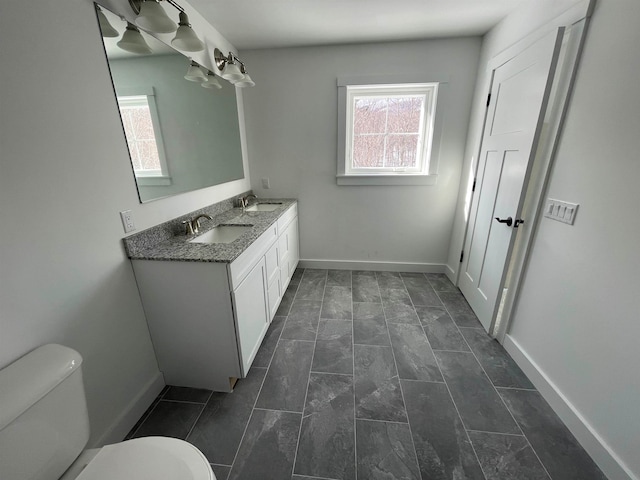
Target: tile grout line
column 353, row 382
column 500, row 397
column 444, row 380
column 516, row 388
column 395, row 363
column 253, row 408
column 284, row 324
column 146, row 417
column 187, row 401
column 331, row 373
column 293, row 299
column 276, row 410
column 464, row 427
column 453, row 402
column 495, row 433
column 382, row 421
column 199, row 415
column 304, row 404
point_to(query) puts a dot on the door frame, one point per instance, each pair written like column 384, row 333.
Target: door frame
column 541, row 58
column 575, row 21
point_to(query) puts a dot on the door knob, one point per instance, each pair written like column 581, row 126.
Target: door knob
column 518, row 222
column 507, row 220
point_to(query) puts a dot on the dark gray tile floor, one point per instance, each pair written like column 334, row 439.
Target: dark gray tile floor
column 366, row 375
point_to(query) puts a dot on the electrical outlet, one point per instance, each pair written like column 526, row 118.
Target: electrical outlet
column 560, row 211
column 266, row 184
column 127, row 221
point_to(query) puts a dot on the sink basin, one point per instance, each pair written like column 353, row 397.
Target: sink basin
column 263, row 207
column 222, row 234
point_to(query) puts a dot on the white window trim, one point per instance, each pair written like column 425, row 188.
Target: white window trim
column 151, row 178
column 427, row 91
column 429, row 177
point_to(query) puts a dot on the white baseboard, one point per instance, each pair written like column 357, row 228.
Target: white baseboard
column 377, row 266
column 451, row 274
column 612, row 466
column 128, row 418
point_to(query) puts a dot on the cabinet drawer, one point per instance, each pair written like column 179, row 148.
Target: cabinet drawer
column 241, row 266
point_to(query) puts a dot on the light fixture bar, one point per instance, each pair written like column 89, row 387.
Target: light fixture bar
column 135, row 5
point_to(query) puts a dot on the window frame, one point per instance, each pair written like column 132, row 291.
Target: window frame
column 428, row 92
column 148, row 178
column 425, row 176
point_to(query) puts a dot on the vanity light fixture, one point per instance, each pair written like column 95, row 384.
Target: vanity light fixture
column 152, row 17
column 132, row 41
column 186, row 39
column 246, row 80
column 195, row 74
column 228, row 66
column 105, row 27
column 212, row 81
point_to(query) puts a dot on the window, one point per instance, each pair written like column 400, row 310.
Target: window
column 142, row 131
column 387, row 133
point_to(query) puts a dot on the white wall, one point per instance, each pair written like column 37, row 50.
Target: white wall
column 64, row 176
column 578, row 317
column 291, row 129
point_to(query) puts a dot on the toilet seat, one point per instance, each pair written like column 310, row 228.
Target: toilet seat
column 148, row 458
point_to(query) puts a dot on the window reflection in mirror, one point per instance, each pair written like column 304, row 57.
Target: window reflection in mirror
column 181, row 137
column 144, row 138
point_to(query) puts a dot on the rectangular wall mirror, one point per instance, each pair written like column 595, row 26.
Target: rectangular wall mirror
column 181, row 136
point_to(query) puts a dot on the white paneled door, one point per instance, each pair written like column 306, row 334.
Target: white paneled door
column 519, row 96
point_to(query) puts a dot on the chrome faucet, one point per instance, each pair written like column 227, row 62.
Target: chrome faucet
column 193, row 226
column 244, row 201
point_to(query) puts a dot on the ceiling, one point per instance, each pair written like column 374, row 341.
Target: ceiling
column 250, row 24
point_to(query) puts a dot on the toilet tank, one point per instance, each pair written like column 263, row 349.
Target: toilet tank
column 44, row 423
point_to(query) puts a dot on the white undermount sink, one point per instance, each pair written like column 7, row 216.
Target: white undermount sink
column 263, row 207
column 222, row 234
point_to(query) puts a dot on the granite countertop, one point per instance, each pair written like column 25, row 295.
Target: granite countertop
column 178, row 247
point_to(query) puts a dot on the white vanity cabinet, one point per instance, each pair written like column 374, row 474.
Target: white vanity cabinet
column 207, row 319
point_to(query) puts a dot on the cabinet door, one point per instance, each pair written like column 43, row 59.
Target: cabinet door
column 252, row 313
column 283, row 250
column 272, row 262
column 288, row 244
column 275, row 295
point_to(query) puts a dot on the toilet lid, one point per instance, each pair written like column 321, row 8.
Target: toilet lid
column 149, row 458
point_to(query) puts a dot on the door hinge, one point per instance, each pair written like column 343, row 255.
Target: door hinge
column 461, row 255
column 488, row 99
column 473, row 188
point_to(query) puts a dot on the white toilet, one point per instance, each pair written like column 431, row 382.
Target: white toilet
column 44, row 428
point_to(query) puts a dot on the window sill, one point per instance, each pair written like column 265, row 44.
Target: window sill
column 152, row 181
column 387, row 179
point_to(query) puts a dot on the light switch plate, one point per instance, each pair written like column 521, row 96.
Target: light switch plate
column 266, row 184
column 560, row 211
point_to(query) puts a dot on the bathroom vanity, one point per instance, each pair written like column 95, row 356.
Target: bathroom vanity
column 209, row 305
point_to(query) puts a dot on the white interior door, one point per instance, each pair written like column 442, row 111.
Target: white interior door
column 519, row 94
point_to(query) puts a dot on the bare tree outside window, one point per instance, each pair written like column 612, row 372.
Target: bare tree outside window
column 140, row 137
column 145, row 144
column 386, row 131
